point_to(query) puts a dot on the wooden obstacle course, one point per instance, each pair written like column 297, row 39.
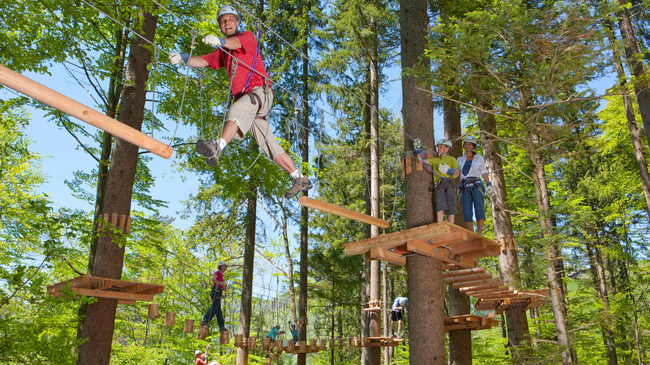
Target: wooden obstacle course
column 373, row 306
column 470, row 322
column 69, row 106
column 444, row 241
column 499, row 303
column 308, row 202
column 127, row 292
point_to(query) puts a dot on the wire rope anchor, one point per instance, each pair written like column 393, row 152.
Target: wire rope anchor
column 417, row 144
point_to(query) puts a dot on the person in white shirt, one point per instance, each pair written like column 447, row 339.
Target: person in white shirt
column 472, row 168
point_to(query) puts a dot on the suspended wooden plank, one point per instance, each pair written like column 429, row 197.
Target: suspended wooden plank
column 188, row 326
column 92, row 286
column 470, row 322
column 308, row 202
column 152, row 311
column 203, row 332
column 69, row 106
column 463, row 272
column 383, row 341
column 170, row 319
column 468, row 277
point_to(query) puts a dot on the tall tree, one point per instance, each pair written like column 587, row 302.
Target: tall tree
column 425, row 289
column 100, row 316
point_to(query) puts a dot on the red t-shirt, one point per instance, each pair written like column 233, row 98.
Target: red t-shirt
column 219, row 278
column 199, row 361
column 244, row 58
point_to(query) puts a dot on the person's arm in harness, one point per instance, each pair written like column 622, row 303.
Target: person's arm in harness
column 211, row 40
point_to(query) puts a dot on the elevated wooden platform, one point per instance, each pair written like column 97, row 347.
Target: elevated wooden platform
column 500, row 302
column 127, row 292
column 470, row 322
column 383, row 341
column 444, row 241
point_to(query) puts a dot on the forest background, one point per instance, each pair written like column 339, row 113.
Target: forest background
column 582, row 135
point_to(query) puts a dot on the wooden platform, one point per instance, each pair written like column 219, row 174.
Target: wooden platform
column 444, row 241
column 499, row 303
column 470, row 322
column 127, row 292
column 383, row 341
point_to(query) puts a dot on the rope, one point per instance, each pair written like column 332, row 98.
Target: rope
column 154, row 67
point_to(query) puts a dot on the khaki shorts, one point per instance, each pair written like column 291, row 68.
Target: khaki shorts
column 250, row 117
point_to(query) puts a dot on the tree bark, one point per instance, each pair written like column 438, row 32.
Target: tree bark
column 246, row 300
column 635, row 61
column 553, row 275
column 460, row 341
column 99, row 321
column 425, row 289
column 635, row 134
column 516, row 320
column 304, row 211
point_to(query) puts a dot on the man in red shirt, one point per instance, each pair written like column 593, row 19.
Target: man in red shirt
column 250, row 86
column 218, row 287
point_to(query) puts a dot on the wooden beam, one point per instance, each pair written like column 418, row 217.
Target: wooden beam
column 422, row 248
column 461, row 284
column 308, row 202
column 468, row 278
column 478, row 287
column 384, row 254
column 69, row 106
column 463, row 272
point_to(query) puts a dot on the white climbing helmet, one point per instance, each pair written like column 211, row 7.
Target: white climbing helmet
column 444, row 142
column 403, row 302
column 197, row 352
column 227, row 9
column 221, row 264
column 471, row 140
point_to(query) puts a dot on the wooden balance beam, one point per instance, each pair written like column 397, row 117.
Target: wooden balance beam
column 74, row 108
column 308, row 202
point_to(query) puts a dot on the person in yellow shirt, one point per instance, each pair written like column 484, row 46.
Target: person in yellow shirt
column 445, row 170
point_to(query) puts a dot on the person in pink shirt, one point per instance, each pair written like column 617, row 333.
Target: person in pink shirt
column 250, row 85
column 218, row 287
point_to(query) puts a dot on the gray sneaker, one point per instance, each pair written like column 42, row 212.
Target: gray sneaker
column 210, row 150
column 301, row 184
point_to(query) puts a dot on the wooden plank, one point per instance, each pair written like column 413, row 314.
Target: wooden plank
column 113, row 294
column 468, row 278
column 468, row 246
column 485, row 252
column 498, row 289
column 69, row 106
column 463, row 272
column 478, row 287
column 439, row 253
column 384, row 254
column 306, row 201
column 474, row 282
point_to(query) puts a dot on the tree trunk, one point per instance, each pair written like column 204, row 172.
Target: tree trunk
column 460, row 341
column 635, row 61
column 600, row 285
column 246, row 300
column 425, row 289
column 374, row 325
column 304, row 211
column 551, row 252
column 99, row 321
column 635, row 134
column 516, row 320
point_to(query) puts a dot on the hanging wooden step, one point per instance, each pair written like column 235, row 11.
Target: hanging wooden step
column 127, row 292
column 470, row 322
column 383, row 341
column 308, row 202
column 444, row 241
